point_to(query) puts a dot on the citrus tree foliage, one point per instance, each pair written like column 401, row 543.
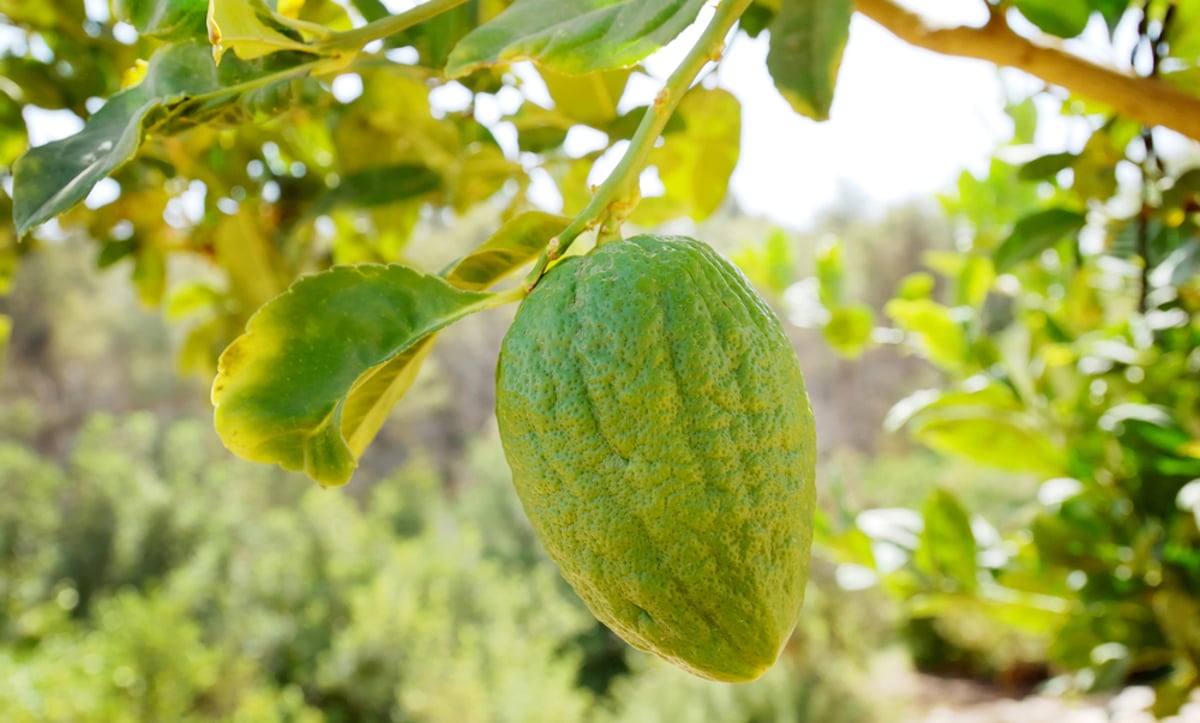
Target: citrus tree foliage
column 1067, row 335
column 1065, row 324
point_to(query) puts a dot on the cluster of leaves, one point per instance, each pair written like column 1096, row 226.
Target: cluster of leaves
column 228, row 134
column 1066, row 329
column 149, row 577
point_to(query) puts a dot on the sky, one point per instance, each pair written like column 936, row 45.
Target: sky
column 904, row 123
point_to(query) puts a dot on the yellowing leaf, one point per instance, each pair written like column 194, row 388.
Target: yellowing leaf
column 590, row 99
column 516, row 243
column 695, row 164
column 134, row 73
column 282, row 388
column 243, row 26
column 373, row 395
column 256, row 269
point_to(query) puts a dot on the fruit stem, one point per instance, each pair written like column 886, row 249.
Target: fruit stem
column 617, row 196
column 354, row 39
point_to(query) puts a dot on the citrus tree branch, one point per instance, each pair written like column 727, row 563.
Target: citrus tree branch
column 1150, row 100
column 618, row 194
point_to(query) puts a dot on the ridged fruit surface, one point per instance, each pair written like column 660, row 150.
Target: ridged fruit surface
column 660, row 438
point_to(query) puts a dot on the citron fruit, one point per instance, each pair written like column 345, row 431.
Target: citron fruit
column 662, row 444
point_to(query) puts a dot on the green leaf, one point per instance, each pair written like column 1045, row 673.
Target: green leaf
column 917, row 285
column 942, row 338
column 848, row 330
column 249, row 28
column 695, row 165
column 518, row 242
column 539, row 129
column 370, row 9
column 181, row 85
column 377, row 186
column 756, row 18
column 947, row 546
column 770, row 265
column 1064, row 18
column 480, row 173
column 282, row 388
column 191, row 298
column 1036, row 233
column 1094, row 172
column 589, row 99
column 1004, row 442
column 1035, row 614
column 573, row 37
column 51, row 178
column 807, row 40
column 831, row 273
column 1044, row 168
column 164, row 19
column 974, row 281
column 984, row 400
column 1024, row 115
column 850, row 546
column 374, row 394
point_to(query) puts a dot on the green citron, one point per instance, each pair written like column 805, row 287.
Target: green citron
column 663, row 447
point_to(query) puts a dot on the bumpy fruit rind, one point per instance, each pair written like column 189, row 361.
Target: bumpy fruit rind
column 661, row 441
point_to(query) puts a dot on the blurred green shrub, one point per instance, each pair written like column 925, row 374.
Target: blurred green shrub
column 149, row 577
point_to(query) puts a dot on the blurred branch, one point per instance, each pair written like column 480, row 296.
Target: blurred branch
column 1150, row 100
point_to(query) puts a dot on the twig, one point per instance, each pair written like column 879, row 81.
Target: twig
column 1150, row 100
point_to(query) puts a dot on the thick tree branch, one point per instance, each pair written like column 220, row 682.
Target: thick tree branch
column 1152, row 101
